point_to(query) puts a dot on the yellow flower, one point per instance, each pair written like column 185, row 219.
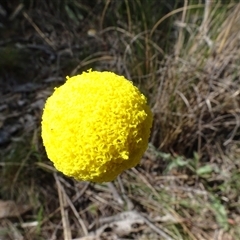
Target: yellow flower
column 95, row 126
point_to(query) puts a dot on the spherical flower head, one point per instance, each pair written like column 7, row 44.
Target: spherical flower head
column 95, row 126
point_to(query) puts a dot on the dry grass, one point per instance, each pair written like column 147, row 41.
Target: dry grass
column 185, row 59
column 199, row 95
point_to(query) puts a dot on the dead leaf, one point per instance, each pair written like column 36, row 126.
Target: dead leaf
column 11, row 209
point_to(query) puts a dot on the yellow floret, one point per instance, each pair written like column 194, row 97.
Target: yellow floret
column 95, row 126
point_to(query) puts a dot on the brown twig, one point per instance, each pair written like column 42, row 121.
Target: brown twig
column 38, row 30
column 63, row 202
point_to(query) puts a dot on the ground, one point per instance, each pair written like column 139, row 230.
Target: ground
column 185, row 59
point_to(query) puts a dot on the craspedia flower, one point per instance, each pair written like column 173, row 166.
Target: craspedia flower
column 95, row 126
